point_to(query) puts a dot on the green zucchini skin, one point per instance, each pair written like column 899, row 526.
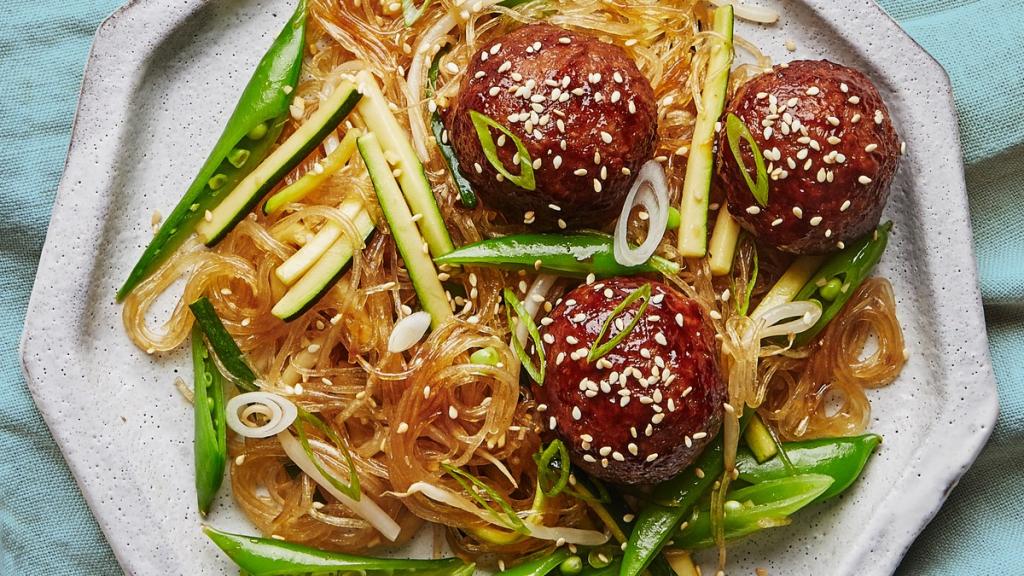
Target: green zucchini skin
column 214, row 232
column 254, row 126
column 407, row 237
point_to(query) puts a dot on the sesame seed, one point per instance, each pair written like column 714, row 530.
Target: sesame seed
column 589, row 458
column 505, row 67
column 597, row 185
column 815, row 221
column 580, row 172
column 651, row 458
column 854, row 100
column 777, row 221
column 844, row 88
column 840, row 245
column 798, row 212
column 632, row 107
column 871, row 148
column 833, row 120
column 453, row 412
column 564, row 40
column 403, row 428
column 562, row 224
column 864, row 180
column 856, row 118
column 813, row 91
column 828, row 233
column 606, row 137
column 879, row 117
column 576, row 413
column 833, row 140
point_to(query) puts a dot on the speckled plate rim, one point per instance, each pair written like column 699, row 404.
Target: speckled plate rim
column 126, row 39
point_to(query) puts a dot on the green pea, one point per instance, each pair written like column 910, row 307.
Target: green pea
column 217, row 181
column 674, row 218
column 571, row 566
column 831, row 289
column 488, row 356
column 258, row 131
column 238, row 157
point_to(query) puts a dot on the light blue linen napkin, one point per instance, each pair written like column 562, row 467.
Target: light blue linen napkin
column 45, row 528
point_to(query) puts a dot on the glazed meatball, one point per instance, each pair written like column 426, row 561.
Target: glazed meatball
column 646, row 409
column 581, row 108
column 829, row 147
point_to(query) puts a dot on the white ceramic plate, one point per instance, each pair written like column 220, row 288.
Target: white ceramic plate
column 161, row 79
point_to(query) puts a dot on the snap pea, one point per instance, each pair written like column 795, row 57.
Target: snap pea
column 842, row 459
column 210, row 444
column 577, row 254
column 835, row 282
column 753, row 508
column 669, row 504
column 672, row 500
column 223, row 344
column 247, row 139
column 466, row 194
column 269, row 557
column 540, row 564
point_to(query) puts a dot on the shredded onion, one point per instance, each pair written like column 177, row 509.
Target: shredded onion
column 758, row 14
column 408, row 331
column 365, row 507
column 650, row 190
column 279, row 412
column 569, row 535
column 805, row 312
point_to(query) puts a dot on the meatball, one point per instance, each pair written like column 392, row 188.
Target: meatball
column 581, row 108
column 829, row 147
column 646, row 409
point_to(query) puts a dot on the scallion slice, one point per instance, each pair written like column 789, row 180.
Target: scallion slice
column 352, row 489
column 535, row 371
column 734, row 130
column 483, row 124
column 474, row 486
column 410, row 13
column 551, row 460
column 598, row 349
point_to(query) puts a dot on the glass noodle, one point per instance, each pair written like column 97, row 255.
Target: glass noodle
column 404, row 415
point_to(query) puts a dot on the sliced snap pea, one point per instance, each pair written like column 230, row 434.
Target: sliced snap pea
column 754, row 508
column 834, row 283
column 247, row 139
column 210, row 444
column 577, row 255
column 269, row 557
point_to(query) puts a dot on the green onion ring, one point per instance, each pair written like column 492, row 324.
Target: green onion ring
column 734, row 130
column 598, row 350
column 483, row 123
column 535, row 372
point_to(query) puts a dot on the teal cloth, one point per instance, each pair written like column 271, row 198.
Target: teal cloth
column 45, row 528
